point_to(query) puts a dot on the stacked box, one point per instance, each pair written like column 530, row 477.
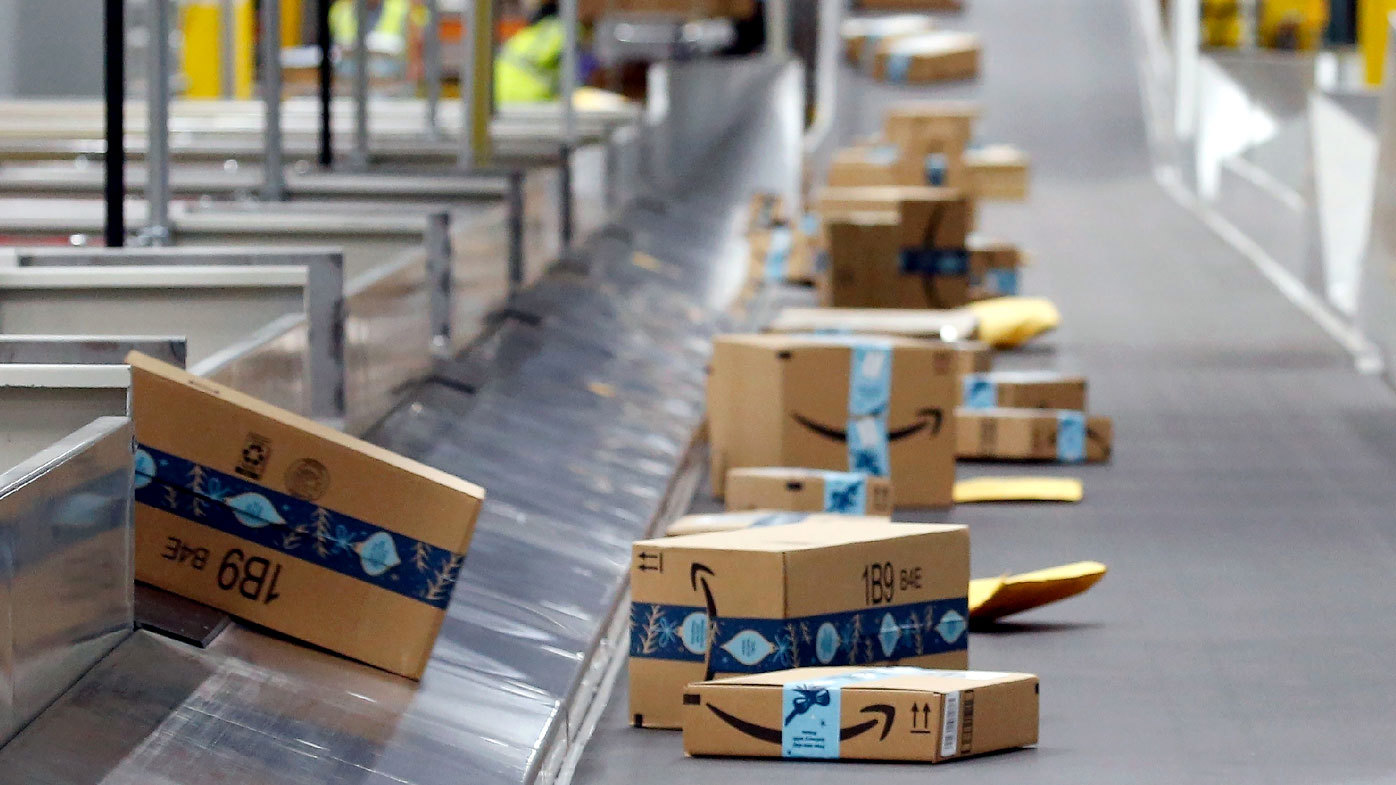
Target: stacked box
column 840, row 591
column 998, row 172
column 1063, row 436
column 1023, row 390
column 993, row 268
column 937, row 56
column 808, row 490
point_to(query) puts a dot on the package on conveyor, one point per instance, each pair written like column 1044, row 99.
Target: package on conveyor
column 895, row 247
column 1003, row 322
column 807, row 490
column 833, row 590
column 874, row 404
column 704, row 523
column 292, row 525
column 895, row 713
column 878, row 164
column 782, row 253
column 1061, row 435
column 861, row 35
column 911, row 5
column 937, row 134
column 1023, row 390
column 998, row 172
column 993, row 267
column 936, row 56
column 766, row 210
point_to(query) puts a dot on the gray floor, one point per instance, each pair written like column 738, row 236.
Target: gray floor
column 1244, row 634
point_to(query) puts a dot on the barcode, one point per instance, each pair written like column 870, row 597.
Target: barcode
column 950, row 726
column 967, row 722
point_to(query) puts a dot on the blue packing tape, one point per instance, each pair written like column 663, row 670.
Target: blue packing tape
column 935, row 262
column 869, row 394
column 980, row 392
column 778, row 254
column 937, row 169
column 1071, row 436
column 811, row 726
column 1001, row 281
column 750, row 645
column 845, row 493
column 898, row 67
column 295, row 527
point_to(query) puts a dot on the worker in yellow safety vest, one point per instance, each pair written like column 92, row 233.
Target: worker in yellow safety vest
column 390, row 23
column 528, row 67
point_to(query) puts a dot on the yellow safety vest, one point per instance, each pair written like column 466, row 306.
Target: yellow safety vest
column 391, row 21
column 527, row 69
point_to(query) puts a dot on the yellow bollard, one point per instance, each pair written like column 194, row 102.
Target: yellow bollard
column 1371, row 36
column 1292, row 24
column 201, row 56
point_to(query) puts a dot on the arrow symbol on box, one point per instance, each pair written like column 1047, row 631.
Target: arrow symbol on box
column 651, row 562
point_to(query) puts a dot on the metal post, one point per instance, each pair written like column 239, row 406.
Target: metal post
column 777, row 29
column 114, row 45
column 157, row 103
column 325, row 342
column 439, row 280
column 431, row 61
column 568, row 11
column 826, row 73
column 227, row 44
column 360, row 159
column 467, row 84
column 326, row 66
column 273, row 168
column 516, row 231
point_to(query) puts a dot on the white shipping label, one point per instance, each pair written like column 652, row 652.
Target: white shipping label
column 950, row 726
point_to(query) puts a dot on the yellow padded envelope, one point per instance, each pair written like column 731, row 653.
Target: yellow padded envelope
column 1018, row 489
column 995, row 598
column 1006, row 322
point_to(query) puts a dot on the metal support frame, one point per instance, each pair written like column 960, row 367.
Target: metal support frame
column 89, row 349
column 157, row 104
column 114, row 161
column 477, row 83
column 361, row 154
column 777, row 29
column 273, row 167
column 323, row 40
column 227, row 46
column 431, row 63
column 568, row 13
column 516, row 231
column 826, row 75
column 440, row 281
column 324, row 305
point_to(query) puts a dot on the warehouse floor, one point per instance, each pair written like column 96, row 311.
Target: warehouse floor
column 1242, row 635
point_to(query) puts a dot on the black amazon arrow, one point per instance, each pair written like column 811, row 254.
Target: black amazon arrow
column 773, row 735
column 697, row 574
column 934, row 418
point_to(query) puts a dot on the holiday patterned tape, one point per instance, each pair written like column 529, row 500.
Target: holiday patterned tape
column 1071, row 436
column 869, row 635
column 778, row 254
column 295, row 527
column 980, row 392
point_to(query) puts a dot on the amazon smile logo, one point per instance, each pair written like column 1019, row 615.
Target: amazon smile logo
column 927, row 419
column 883, row 714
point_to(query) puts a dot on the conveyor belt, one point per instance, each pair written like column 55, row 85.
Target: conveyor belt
column 1243, row 632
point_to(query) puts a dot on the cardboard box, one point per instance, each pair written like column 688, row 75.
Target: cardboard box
column 934, row 128
column 703, row 523
column 766, row 210
column 874, row 165
column 937, row 56
column 836, row 591
column 880, row 405
column 890, row 713
column 949, row 325
column 911, row 5
column 998, row 172
column 929, row 217
column 808, row 490
column 861, row 35
column 782, row 254
column 869, row 265
column 292, row 525
column 993, row 268
column 1023, row 390
column 1033, row 435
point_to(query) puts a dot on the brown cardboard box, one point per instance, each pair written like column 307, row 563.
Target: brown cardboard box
column 870, row 267
column 764, row 211
column 850, row 713
column 782, row 254
column 993, row 268
column 292, row 525
column 1023, row 390
column 929, row 217
column 874, row 165
column 911, row 5
column 998, row 172
column 937, row 56
column 861, row 35
column 926, row 128
column 881, row 405
column 1033, row 435
column 703, row 523
column 808, row 490
column 837, row 590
